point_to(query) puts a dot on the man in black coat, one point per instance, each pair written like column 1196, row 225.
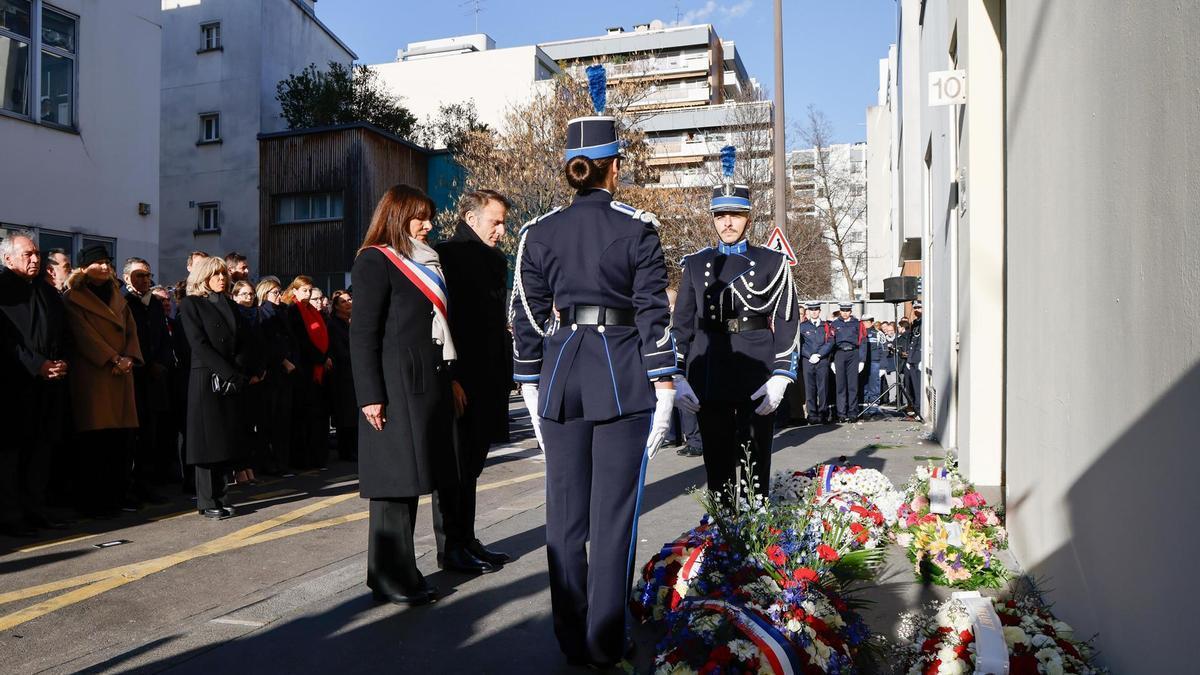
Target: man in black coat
column 33, row 398
column 150, row 381
column 476, row 274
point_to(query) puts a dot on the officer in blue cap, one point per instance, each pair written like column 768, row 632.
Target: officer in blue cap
column 816, row 344
column 599, row 388
column 849, row 356
column 735, row 325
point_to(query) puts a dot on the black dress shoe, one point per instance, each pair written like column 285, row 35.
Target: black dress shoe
column 462, row 560
column 485, row 554
column 214, row 514
column 42, row 520
column 421, row 597
column 229, row 511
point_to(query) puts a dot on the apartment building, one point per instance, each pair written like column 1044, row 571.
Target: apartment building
column 81, row 145
column 832, row 189
column 700, row 90
column 433, row 73
column 221, row 62
column 1053, row 217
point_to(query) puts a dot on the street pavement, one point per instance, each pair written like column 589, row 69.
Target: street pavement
column 279, row 588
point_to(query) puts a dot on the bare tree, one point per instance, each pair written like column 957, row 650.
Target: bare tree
column 838, row 201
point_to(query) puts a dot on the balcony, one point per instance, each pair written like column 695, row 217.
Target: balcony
column 668, row 95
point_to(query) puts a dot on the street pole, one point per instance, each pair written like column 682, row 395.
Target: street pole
column 780, row 147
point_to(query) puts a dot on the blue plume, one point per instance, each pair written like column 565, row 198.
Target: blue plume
column 728, row 159
column 598, row 87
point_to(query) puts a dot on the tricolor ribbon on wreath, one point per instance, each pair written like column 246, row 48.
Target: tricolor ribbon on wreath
column 774, row 646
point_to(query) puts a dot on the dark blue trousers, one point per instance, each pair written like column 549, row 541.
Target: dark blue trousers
column 846, row 378
column 816, row 388
column 593, row 474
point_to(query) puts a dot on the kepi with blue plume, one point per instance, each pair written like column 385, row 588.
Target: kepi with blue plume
column 729, row 197
column 594, row 137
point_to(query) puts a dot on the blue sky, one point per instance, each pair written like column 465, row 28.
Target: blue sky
column 831, row 47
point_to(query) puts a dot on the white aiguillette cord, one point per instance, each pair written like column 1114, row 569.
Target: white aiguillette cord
column 991, row 651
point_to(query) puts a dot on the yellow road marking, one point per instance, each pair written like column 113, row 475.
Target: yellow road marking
column 102, row 581
column 55, row 542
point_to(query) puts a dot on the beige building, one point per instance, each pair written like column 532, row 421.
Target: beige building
column 1054, row 217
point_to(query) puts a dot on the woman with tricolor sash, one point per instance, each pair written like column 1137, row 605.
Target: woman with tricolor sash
column 401, row 345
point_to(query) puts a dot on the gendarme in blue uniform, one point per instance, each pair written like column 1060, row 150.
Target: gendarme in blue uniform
column 816, row 338
column 599, row 262
column 849, row 351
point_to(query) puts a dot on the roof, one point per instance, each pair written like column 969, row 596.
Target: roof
column 346, row 127
column 629, row 41
column 304, row 7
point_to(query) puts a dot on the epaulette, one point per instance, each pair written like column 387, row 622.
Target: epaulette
column 683, row 260
column 635, row 213
column 535, row 221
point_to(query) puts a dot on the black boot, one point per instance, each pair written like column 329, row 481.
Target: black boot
column 462, row 560
column 480, row 551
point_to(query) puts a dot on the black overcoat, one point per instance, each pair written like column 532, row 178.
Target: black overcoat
column 220, row 342
column 342, row 405
column 33, row 329
column 397, row 364
column 476, row 280
column 151, row 383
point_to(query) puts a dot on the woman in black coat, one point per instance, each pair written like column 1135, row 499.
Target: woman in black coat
column 221, row 345
column 310, row 438
column 275, row 401
column 342, row 403
column 403, row 390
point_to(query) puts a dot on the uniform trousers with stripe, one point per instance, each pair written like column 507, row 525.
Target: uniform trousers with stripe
column 592, row 484
column 847, row 381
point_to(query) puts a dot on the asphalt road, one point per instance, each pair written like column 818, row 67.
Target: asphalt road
column 279, row 588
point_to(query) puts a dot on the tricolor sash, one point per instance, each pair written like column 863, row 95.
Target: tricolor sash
column 774, row 646
column 426, row 280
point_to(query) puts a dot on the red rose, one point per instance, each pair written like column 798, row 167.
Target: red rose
column 827, row 553
column 1022, row 664
column 804, row 574
column 932, row 668
column 966, row 637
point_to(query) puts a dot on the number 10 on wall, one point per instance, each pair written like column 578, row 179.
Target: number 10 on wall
column 947, row 87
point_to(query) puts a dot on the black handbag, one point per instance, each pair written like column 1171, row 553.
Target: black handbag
column 224, row 387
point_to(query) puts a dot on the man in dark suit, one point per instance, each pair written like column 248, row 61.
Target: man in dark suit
column 33, row 399
column 150, row 381
column 476, row 274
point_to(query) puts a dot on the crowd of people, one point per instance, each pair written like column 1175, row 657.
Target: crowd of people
column 119, row 389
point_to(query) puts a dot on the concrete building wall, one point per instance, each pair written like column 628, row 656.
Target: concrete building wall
column 880, row 254
column 1103, row 168
column 496, row 80
column 262, row 42
column 91, row 182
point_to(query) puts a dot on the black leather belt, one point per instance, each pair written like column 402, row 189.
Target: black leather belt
column 741, row 325
column 595, row 315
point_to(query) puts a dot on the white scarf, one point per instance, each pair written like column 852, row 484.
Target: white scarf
column 423, row 254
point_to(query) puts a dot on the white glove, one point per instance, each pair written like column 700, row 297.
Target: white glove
column 771, row 393
column 661, row 421
column 860, row 366
column 833, row 367
column 685, row 399
column 814, row 359
column 529, row 392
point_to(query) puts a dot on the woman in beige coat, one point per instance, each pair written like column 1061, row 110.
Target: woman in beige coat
column 104, row 353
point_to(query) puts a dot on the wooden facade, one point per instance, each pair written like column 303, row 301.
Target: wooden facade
column 359, row 161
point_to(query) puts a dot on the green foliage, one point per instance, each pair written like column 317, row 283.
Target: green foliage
column 341, row 95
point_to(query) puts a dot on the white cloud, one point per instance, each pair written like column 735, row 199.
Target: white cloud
column 705, row 12
column 738, row 10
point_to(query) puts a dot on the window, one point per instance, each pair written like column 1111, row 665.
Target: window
column 210, row 128
column 308, row 207
column 210, row 36
column 210, row 217
column 51, row 55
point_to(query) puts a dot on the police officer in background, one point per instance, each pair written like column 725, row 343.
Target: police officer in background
column 911, row 346
column 876, row 347
column 735, row 324
column 816, row 344
column 599, row 386
column 849, row 353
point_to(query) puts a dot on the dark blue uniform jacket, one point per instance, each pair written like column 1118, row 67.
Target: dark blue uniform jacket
column 746, row 282
column 595, row 252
